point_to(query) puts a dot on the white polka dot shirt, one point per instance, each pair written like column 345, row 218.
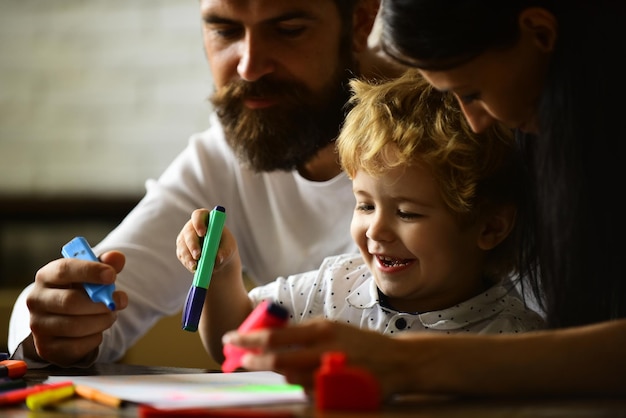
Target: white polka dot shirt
column 343, row 290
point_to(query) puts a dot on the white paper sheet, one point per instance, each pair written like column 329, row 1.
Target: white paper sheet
column 205, row 390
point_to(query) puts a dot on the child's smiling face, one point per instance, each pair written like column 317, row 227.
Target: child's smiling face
column 419, row 255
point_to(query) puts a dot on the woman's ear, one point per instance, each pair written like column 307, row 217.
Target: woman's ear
column 365, row 13
column 541, row 25
column 496, row 227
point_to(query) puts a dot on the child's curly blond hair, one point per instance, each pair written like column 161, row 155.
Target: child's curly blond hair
column 405, row 121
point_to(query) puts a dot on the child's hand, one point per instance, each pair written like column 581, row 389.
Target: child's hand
column 189, row 245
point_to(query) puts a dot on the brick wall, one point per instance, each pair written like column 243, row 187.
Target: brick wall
column 97, row 95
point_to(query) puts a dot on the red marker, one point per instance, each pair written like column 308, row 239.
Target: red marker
column 13, row 368
column 266, row 315
column 20, row 395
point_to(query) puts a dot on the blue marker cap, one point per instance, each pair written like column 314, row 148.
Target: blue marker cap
column 79, row 248
column 8, row 384
column 101, row 293
column 193, row 308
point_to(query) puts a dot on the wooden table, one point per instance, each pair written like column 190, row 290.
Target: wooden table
column 410, row 406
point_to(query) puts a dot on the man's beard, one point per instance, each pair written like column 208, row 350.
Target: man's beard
column 288, row 134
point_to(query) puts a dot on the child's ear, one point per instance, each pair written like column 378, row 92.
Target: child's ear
column 496, row 227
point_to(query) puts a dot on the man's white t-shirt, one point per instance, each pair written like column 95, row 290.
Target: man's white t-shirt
column 284, row 224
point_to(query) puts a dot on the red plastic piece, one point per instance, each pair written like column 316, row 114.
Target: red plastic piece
column 340, row 387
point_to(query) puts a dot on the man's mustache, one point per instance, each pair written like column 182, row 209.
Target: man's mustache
column 240, row 90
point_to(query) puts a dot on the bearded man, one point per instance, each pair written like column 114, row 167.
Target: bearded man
column 280, row 69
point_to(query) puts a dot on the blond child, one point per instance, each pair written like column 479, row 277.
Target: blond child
column 435, row 223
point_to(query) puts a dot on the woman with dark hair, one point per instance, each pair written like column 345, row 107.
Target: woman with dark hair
column 552, row 71
column 541, row 67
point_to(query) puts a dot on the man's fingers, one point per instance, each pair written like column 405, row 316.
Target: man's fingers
column 72, row 301
column 64, row 272
column 66, row 351
column 71, row 326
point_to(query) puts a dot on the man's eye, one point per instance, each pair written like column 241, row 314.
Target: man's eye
column 225, row 31
column 290, row 30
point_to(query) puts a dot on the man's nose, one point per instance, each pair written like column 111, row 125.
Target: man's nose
column 255, row 58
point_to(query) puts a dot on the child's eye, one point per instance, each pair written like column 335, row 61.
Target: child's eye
column 408, row 215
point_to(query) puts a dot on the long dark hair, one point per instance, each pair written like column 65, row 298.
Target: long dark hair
column 447, row 33
column 576, row 162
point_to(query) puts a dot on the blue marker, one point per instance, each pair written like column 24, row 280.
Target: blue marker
column 202, row 276
column 79, row 248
